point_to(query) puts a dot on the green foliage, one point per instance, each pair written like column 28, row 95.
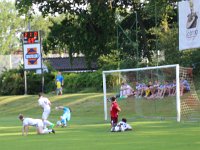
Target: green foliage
column 129, row 62
column 110, row 61
column 34, row 83
column 104, row 26
column 120, row 33
column 38, row 23
column 166, row 45
column 11, row 83
column 11, row 25
column 85, row 81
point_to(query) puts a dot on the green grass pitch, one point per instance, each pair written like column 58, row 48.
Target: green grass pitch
column 87, row 128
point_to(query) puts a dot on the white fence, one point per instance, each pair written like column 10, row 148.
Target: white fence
column 10, row 62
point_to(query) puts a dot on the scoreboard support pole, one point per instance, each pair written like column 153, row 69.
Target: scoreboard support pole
column 25, row 77
column 25, row 83
column 42, row 71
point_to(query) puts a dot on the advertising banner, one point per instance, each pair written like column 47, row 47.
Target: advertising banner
column 32, row 56
column 189, row 24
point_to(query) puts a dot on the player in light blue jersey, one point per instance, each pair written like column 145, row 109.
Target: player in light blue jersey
column 65, row 118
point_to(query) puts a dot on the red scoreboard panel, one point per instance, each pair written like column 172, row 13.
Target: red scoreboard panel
column 30, row 37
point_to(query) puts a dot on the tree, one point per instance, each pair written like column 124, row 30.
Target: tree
column 90, row 27
column 11, row 27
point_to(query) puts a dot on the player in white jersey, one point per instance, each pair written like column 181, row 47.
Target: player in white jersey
column 38, row 123
column 122, row 126
column 46, row 105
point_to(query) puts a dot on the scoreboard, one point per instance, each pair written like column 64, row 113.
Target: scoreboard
column 31, row 50
column 31, row 37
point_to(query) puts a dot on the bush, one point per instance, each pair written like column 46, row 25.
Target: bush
column 84, row 81
column 12, row 82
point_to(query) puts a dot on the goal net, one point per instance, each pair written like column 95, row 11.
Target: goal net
column 161, row 92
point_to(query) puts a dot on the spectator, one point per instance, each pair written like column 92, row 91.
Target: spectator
column 184, row 86
column 173, row 88
column 138, row 87
column 60, row 78
column 126, row 90
column 154, row 89
column 58, row 87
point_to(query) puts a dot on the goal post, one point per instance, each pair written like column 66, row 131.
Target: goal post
column 120, row 71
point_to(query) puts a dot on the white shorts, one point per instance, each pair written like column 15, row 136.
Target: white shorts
column 40, row 124
column 45, row 114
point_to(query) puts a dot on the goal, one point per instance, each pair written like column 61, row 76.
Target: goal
column 161, row 92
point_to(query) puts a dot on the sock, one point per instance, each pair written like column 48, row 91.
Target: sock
column 47, row 123
column 46, row 131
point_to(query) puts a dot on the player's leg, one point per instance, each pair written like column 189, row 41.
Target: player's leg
column 40, row 130
column 114, row 121
column 57, row 91
column 44, row 118
column 46, row 131
column 61, row 91
column 116, row 129
column 48, row 123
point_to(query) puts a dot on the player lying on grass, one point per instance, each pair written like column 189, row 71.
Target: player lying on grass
column 65, row 118
column 121, row 126
column 38, row 123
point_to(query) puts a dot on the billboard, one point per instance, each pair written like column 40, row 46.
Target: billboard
column 32, row 56
column 189, row 24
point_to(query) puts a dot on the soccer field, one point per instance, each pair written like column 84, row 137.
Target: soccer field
column 87, row 129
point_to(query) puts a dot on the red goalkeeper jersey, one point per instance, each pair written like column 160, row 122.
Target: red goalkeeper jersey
column 113, row 109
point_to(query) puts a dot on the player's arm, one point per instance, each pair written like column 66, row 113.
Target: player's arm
column 40, row 104
column 59, row 107
column 25, row 130
column 49, row 102
column 118, row 108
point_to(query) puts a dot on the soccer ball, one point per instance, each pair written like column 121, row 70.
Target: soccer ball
column 58, row 123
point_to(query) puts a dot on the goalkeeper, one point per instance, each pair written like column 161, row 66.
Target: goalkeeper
column 65, row 118
column 114, row 111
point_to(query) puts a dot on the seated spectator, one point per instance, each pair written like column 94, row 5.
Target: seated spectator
column 160, row 91
column 165, row 89
column 184, row 86
column 172, row 88
column 147, row 89
column 138, row 87
column 144, row 88
column 154, row 89
column 126, row 90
